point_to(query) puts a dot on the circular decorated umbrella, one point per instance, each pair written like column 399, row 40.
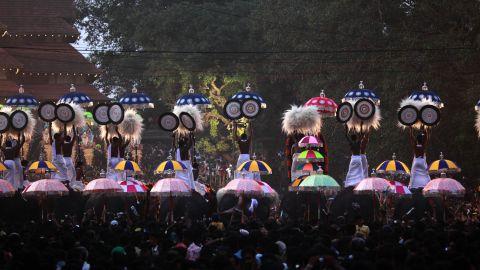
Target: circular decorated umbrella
column 132, row 187
column 136, row 100
column 361, row 92
column 310, row 156
column 309, row 141
column 399, row 189
column 42, row 166
column 6, row 189
column 255, row 166
column 22, row 100
column 103, row 185
column 46, row 187
column 326, row 106
column 443, row 165
column 319, row 182
column 393, row 167
column 426, row 95
column 294, row 185
column 193, row 98
column 170, row 166
column 243, row 186
column 76, row 97
column 443, row 187
column 170, row 187
column 371, row 185
column 308, row 168
column 128, row 165
column 248, row 94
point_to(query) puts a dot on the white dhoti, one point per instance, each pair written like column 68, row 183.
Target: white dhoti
column 18, row 172
column 111, row 172
column 355, row 171
column 59, row 163
column 419, row 176
column 186, row 175
column 295, row 174
column 71, row 173
column 364, row 165
column 10, row 172
column 241, row 159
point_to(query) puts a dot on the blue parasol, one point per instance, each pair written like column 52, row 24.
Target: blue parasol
column 426, row 95
column 76, row 97
column 136, row 100
column 193, row 99
column 361, row 92
column 248, row 94
column 22, row 99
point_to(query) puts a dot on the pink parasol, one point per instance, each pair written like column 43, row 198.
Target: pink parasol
column 372, row 184
column 46, row 187
column 243, row 186
column 170, row 187
column 6, row 189
column 443, row 187
column 308, row 141
column 398, row 188
column 268, row 191
column 326, row 106
column 102, row 185
column 133, row 186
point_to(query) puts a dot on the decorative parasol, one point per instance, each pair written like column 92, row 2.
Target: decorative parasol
column 443, row 187
column 76, row 97
column 136, row 100
column 360, row 93
column 308, row 167
column 133, row 187
column 193, row 99
column 371, row 185
column 170, row 166
column 326, row 106
column 22, row 100
column 255, row 166
column 310, row 156
column 103, row 185
column 443, row 165
column 426, row 95
column 243, row 186
column 393, row 167
column 309, row 141
column 170, row 187
column 42, row 166
column 319, row 182
column 6, row 189
column 128, row 165
column 268, row 191
column 248, row 94
column 294, row 185
column 45, row 187
column 399, row 189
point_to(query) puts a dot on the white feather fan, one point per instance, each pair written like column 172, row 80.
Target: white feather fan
column 132, row 126
column 419, row 104
column 194, row 112
column 78, row 121
column 29, row 130
column 301, row 119
column 358, row 125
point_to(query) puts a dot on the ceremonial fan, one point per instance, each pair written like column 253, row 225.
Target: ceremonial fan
column 360, row 110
